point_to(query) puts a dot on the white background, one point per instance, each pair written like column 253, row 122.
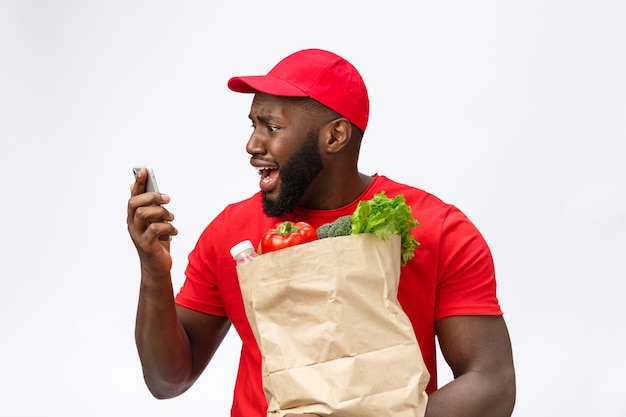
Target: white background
column 514, row 111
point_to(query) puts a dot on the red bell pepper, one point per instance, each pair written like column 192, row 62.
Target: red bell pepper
column 285, row 234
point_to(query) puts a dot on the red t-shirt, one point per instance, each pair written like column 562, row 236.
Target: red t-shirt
column 451, row 274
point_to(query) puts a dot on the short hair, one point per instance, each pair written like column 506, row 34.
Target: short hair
column 322, row 112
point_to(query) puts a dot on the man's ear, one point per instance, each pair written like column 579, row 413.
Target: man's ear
column 338, row 135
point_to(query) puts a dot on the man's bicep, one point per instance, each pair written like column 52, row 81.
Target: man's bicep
column 475, row 343
column 478, row 350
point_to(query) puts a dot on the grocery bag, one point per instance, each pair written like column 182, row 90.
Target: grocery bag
column 332, row 335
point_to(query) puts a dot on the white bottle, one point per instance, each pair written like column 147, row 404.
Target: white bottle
column 243, row 252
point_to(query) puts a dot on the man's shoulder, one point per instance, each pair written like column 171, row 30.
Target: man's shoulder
column 252, row 202
column 412, row 194
column 249, row 210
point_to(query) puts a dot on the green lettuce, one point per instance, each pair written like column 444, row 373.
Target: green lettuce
column 385, row 216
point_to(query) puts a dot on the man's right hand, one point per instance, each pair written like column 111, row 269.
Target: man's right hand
column 149, row 227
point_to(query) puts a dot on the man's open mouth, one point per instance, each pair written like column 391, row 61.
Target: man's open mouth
column 268, row 176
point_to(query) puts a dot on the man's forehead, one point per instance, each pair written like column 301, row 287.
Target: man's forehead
column 273, row 106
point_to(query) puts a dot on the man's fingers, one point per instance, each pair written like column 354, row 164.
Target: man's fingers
column 139, row 186
column 146, row 215
column 146, row 200
column 162, row 229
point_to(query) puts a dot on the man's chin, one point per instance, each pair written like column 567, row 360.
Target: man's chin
column 275, row 206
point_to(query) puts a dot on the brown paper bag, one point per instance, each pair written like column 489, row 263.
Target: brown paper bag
column 333, row 338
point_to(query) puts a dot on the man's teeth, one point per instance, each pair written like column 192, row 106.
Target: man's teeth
column 265, row 174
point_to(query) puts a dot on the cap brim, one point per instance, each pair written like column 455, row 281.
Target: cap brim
column 267, row 84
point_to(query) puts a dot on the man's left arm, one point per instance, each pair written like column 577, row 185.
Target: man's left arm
column 478, row 350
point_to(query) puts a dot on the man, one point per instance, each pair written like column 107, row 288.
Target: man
column 308, row 117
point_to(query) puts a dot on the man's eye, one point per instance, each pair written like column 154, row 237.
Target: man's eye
column 272, row 128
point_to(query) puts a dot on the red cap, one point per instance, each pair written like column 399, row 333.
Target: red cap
column 320, row 75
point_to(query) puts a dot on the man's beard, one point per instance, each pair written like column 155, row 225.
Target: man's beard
column 298, row 173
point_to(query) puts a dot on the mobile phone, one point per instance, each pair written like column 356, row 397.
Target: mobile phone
column 151, row 184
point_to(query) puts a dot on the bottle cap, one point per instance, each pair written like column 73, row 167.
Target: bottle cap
column 240, row 247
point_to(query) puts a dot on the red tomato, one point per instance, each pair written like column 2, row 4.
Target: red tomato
column 285, row 234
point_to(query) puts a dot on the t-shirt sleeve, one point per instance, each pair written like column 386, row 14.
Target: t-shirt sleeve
column 466, row 283
column 200, row 290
